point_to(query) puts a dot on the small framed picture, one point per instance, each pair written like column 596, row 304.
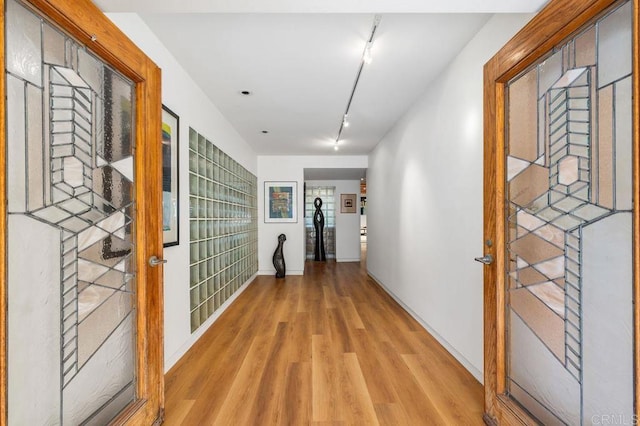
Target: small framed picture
column 280, row 201
column 348, row 203
column 170, row 217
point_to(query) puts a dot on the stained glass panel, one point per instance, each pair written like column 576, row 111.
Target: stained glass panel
column 569, row 292
column 71, row 280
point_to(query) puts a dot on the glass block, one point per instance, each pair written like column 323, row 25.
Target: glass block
column 204, row 313
column 193, row 139
column 203, row 291
column 195, row 297
column 195, row 275
column 214, row 177
column 195, row 319
column 193, row 184
column 193, row 207
column 210, row 149
column 202, row 165
column 193, row 230
column 193, row 161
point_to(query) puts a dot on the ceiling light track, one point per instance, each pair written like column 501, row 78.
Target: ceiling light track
column 366, row 59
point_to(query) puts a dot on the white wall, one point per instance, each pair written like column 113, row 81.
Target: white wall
column 347, row 224
column 186, row 99
column 291, row 168
column 424, row 201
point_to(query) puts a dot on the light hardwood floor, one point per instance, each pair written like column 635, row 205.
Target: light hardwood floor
column 329, row 347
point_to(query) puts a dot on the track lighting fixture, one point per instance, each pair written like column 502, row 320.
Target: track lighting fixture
column 366, row 59
column 366, row 56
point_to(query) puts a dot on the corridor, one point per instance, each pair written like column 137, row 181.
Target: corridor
column 327, row 347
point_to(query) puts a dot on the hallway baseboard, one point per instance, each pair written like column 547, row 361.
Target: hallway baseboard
column 273, row 272
column 177, row 355
column 457, row 355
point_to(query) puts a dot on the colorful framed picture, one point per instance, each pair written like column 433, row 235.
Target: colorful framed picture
column 280, row 201
column 348, row 203
column 170, row 138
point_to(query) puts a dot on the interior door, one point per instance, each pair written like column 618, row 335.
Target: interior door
column 561, row 218
column 81, row 304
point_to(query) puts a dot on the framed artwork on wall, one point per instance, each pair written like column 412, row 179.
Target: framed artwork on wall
column 348, row 203
column 170, row 138
column 280, row 202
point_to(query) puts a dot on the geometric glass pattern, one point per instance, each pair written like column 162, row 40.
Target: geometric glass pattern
column 70, row 136
column 569, row 201
column 327, row 194
column 223, row 221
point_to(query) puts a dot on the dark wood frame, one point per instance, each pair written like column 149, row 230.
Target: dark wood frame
column 87, row 24
column 556, row 22
column 175, row 157
column 344, row 208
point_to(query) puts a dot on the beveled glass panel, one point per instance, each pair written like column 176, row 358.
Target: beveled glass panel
column 614, row 45
column 572, row 218
column 623, row 144
column 605, row 147
column 550, row 71
column 585, row 48
column 70, row 194
column 23, row 52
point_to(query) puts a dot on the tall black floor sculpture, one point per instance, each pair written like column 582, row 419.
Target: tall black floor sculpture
column 318, row 223
column 278, row 257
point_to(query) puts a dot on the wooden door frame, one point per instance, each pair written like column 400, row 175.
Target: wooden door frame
column 87, row 24
column 555, row 23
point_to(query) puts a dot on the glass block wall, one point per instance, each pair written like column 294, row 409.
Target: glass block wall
column 327, row 194
column 223, row 222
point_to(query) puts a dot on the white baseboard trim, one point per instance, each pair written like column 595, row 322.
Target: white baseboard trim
column 348, row 260
column 479, row 375
column 274, row 272
column 173, row 359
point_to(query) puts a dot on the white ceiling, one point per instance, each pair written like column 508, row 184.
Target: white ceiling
column 300, row 67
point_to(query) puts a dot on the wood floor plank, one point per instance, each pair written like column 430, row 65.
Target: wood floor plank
column 242, row 394
column 447, row 395
column 360, row 409
column 297, row 394
column 327, row 348
column 325, row 372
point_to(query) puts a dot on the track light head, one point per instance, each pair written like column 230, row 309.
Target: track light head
column 366, row 56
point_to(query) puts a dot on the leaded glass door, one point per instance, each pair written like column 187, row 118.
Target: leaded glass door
column 82, row 320
column 562, row 167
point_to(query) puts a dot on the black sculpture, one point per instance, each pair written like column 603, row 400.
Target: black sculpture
column 318, row 223
column 278, row 257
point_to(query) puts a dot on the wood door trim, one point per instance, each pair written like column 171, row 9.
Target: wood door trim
column 636, row 197
column 556, row 22
column 86, row 23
